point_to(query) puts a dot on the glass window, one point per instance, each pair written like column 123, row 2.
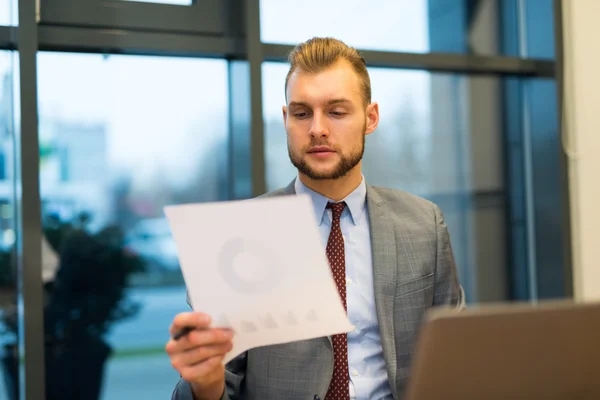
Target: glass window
column 7, row 13
column 546, row 192
column 9, row 315
column 537, row 20
column 539, row 23
column 354, row 21
column 439, row 137
column 534, row 178
column 414, row 26
column 120, row 138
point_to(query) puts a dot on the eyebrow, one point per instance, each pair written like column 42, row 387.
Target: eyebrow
column 330, row 102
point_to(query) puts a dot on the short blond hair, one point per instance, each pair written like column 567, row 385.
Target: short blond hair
column 318, row 54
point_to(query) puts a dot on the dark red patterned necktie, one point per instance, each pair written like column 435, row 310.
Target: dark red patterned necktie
column 338, row 388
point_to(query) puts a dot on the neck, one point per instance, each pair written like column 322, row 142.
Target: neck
column 334, row 189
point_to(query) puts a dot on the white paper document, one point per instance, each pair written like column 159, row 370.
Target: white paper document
column 259, row 267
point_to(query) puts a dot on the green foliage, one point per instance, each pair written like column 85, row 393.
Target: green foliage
column 89, row 292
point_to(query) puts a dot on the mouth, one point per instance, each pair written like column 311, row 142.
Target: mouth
column 320, row 150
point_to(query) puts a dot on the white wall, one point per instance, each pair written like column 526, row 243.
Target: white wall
column 582, row 141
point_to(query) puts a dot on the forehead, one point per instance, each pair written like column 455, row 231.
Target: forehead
column 337, row 81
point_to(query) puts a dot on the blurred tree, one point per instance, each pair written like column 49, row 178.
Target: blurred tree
column 86, row 298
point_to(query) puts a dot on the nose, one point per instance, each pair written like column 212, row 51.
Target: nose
column 319, row 125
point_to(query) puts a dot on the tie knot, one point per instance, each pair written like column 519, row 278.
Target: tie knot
column 337, row 209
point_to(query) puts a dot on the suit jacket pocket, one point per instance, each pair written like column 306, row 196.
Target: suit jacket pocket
column 414, row 285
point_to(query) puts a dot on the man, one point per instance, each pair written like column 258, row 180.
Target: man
column 389, row 251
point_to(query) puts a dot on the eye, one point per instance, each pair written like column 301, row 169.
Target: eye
column 300, row 114
column 338, row 113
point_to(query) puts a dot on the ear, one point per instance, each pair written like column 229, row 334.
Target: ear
column 372, row 118
column 284, row 110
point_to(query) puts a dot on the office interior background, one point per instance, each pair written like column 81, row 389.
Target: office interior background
column 112, row 109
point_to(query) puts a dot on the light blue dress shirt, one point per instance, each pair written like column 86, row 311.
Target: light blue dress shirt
column 368, row 374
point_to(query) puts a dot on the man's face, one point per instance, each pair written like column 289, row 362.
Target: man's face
column 326, row 121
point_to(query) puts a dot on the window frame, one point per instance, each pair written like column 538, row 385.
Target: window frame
column 8, row 36
column 201, row 18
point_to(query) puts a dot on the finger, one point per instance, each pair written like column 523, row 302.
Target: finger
column 209, row 337
column 192, row 319
column 207, row 370
column 200, row 354
column 198, row 338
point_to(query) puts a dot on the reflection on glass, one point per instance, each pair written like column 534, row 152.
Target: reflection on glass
column 9, row 350
column 439, row 138
column 120, row 138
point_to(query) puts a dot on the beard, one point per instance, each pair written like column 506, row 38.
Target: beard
column 344, row 165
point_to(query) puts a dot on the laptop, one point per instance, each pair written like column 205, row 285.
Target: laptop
column 509, row 352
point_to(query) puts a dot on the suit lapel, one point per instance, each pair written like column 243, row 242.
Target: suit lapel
column 383, row 246
column 290, row 189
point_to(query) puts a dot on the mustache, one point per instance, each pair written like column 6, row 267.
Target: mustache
column 315, row 143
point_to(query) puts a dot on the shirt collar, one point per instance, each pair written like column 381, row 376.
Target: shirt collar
column 355, row 201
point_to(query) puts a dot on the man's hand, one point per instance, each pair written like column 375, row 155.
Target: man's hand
column 198, row 356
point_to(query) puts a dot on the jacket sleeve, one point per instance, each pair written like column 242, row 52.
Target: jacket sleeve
column 235, row 372
column 448, row 291
column 234, row 377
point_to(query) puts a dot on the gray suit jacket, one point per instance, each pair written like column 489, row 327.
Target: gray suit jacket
column 413, row 270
